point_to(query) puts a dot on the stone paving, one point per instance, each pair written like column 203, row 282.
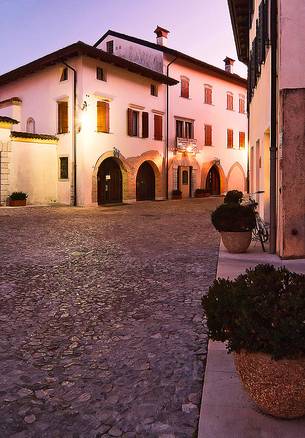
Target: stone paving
column 101, row 331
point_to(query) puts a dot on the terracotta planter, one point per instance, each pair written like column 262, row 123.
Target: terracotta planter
column 236, row 242
column 202, row 195
column 277, row 387
column 17, row 202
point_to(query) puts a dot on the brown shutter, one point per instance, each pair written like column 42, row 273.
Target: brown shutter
column 145, row 128
column 230, row 138
column 63, row 126
column 157, row 127
column 102, row 116
column 208, row 135
column 184, row 88
column 129, row 121
column 242, row 138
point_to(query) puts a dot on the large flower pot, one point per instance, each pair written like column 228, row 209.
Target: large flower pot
column 277, row 387
column 236, row 242
column 17, row 202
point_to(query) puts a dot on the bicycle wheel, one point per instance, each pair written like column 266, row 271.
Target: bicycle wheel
column 262, row 229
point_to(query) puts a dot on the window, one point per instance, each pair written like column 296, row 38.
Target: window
column 185, row 177
column 158, row 127
column 208, row 94
column 184, row 129
column 207, row 135
column 185, row 87
column 64, row 74
column 179, row 128
column 63, row 168
column 241, row 104
column 242, row 140
column 133, row 122
column 102, row 116
column 100, row 74
column 230, row 101
column 30, row 125
column 230, row 138
column 145, row 125
column 109, row 46
column 154, row 90
column 62, row 113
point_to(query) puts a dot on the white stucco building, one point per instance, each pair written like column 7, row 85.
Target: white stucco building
column 115, row 122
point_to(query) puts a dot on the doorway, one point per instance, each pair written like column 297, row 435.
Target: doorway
column 184, row 180
column 109, row 182
column 145, row 182
column 213, row 181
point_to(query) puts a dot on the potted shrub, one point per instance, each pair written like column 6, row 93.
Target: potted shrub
column 176, row 194
column 235, row 223
column 17, row 199
column 233, row 196
column 202, row 193
column 261, row 317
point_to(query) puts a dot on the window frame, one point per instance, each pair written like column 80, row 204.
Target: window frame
column 110, row 45
column 104, row 76
column 209, row 88
column 186, row 80
column 242, row 104
column 243, row 135
column 64, row 74
column 206, row 136
column 154, row 90
column 106, row 122
column 230, row 98
column 184, row 130
column 29, row 121
column 230, row 130
column 60, row 124
column 60, row 158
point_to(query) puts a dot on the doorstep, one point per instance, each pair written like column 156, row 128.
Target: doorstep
column 226, row 410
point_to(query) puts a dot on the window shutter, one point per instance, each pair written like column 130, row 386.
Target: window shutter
column 145, row 129
column 184, row 88
column 242, row 138
column 266, row 24
column 102, row 116
column 63, row 126
column 158, row 127
column 129, row 121
column 230, row 138
column 208, row 135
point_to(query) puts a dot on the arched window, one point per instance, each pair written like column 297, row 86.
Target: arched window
column 30, row 125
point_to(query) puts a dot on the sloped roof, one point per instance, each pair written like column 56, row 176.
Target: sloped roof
column 83, row 49
column 18, row 134
column 5, row 119
column 208, row 68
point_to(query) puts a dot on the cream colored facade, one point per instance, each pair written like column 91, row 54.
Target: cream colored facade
column 32, row 164
column 282, row 111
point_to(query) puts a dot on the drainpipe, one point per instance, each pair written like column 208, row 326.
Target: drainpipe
column 74, row 134
column 273, row 137
column 167, row 122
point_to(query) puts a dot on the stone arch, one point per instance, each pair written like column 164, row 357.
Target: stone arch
column 156, row 161
column 187, row 161
column 205, row 170
column 125, row 169
column 236, row 178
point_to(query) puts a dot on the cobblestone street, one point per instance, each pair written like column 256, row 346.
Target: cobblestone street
column 101, row 319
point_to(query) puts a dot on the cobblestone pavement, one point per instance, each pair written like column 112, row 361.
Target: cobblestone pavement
column 101, row 331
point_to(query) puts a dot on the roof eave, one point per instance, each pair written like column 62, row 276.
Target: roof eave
column 241, row 41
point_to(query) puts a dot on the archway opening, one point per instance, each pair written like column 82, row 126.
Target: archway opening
column 109, row 182
column 213, row 181
column 145, row 183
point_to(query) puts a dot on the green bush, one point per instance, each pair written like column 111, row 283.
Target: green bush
column 260, row 311
column 18, row 196
column 233, row 217
column 234, row 196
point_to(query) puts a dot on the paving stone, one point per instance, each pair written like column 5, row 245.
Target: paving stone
column 100, row 319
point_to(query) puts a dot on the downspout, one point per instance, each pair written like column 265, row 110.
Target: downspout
column 167, row 122
column 273, row 136
column 74, row 134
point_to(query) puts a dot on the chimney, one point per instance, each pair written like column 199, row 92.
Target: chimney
column 161, row 36
column 229, row 64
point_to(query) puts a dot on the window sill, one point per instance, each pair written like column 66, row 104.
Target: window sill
column 210, row 104
column 228, row 109
column 63, row 179
column 187, row 98
column 63, row 133
column 103, row 132
column 208, row 145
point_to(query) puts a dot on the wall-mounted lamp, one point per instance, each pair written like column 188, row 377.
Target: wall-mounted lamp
column 84, row 106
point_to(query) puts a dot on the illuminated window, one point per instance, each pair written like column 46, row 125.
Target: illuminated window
column 230, row 138
column 242, row 140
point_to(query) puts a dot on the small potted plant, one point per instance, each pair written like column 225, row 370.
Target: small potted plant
column 260, row 315
column 17, row 199
column 235, row 223
column 202, row 193
column 176, row 194
column 233, row 196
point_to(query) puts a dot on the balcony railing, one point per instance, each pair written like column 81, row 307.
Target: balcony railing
column 186, row 145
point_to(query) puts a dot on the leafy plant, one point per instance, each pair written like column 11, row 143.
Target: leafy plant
column 260, row 311
column 234, row 196
column 233, row 217
column 176, row 192
column 18, row 196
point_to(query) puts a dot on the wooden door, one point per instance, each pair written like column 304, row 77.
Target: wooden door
column 109, row 180
column 145, row 183
column 213, row 181
column 184, row 181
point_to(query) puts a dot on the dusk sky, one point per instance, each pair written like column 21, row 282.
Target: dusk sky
column 33, row 28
